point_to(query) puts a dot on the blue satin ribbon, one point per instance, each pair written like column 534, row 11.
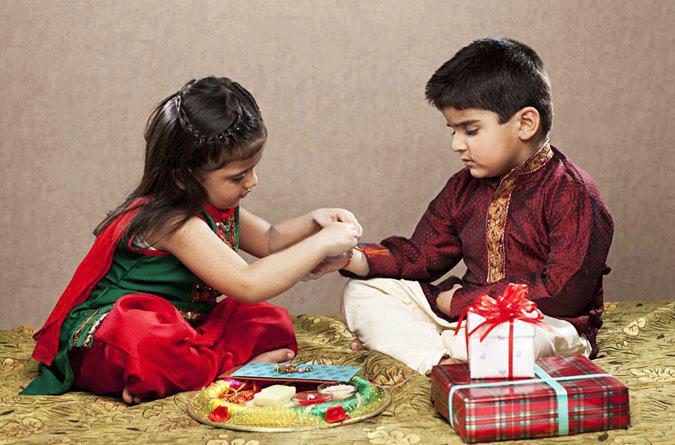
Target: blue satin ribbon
column 560, row 391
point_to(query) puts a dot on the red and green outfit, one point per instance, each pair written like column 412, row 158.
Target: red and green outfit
column 137, row 317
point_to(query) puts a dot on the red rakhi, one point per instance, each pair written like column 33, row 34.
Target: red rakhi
column 512, row 305
column 372, row 251
column 367, row 251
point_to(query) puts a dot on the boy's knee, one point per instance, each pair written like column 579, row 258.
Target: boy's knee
column 359, row 290
column 352, row 287
column 364, row 295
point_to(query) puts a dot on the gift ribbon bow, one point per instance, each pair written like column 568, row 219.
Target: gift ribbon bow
column 511, row 306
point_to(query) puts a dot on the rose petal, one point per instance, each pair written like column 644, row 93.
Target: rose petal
column 220, row 414
column 335, row 414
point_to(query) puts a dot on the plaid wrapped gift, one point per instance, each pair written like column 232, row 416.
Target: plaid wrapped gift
column 570, row 395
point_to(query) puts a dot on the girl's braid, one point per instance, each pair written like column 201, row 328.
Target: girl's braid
column 197, row 134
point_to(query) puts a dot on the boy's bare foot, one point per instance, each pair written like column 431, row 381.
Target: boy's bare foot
column 449, row 361
column 276, row 356
column 356, row 345
column 128, row 397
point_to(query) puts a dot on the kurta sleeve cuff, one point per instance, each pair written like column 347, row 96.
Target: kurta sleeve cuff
column 460, row 300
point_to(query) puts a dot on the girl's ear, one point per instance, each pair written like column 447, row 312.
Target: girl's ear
column 178, row 182
column 529, row 123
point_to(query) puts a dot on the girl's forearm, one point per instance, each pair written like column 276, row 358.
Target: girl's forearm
column 290, row 231
column 276, row 273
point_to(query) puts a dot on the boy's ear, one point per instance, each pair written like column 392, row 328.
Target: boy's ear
column 529, row 123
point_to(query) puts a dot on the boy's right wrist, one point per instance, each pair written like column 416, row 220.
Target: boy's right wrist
column 348, row 255
column 358, row 264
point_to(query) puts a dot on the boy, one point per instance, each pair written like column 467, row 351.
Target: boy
column 519, row 212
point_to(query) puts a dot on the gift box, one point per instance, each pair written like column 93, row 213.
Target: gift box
column 490, row 357
column 499, row 334
column 569, row 395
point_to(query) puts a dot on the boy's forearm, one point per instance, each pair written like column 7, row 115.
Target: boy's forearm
column 288, row 232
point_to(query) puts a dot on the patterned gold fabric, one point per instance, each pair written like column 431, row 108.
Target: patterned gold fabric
column 498, row 211
column 635, row 345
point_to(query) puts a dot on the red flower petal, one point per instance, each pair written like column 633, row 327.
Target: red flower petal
column 220, row 414
column 335, row 414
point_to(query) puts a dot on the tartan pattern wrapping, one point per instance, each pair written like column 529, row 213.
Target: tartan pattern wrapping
column 529, row 410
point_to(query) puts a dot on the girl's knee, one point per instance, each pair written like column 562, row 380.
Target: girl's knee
column 139, row 307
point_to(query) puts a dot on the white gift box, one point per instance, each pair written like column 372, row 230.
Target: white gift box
column 490, row 358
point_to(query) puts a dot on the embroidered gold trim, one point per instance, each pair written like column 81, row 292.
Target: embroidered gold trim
column 499, row 209
column 202, row 292
column 192, row 317
column 80, row 328
column 89, row 339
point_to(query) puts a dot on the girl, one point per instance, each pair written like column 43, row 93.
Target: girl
column 140, row 316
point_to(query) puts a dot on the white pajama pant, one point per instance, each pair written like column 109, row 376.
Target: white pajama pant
column 394, row 317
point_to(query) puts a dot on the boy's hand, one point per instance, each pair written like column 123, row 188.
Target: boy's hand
column 328, row 265
column 444, row 299
column 324, row 217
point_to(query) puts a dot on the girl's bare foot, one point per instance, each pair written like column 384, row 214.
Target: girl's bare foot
column 276, row 356
column 128, row 397
column 356, row 345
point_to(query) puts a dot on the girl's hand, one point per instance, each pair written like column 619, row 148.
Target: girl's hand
column 328, row 265
column 338, row 237
column 324, row 217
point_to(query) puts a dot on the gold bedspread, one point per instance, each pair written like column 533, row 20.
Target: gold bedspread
column 636, row 346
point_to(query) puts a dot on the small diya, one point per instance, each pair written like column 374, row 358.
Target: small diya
column 307, row 398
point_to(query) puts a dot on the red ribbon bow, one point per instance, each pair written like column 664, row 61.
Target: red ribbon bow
column 512, row 305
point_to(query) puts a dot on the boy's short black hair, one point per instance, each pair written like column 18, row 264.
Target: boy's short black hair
column 495, row 74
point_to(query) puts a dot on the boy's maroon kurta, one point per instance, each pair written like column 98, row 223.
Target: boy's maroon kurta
column 542, row 224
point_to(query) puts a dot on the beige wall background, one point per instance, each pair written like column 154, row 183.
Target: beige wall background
column 341, row 87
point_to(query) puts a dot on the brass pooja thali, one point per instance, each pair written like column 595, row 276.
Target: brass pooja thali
column 288, row 403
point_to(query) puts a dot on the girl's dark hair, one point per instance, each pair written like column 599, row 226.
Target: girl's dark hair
column 499, row 75
column 207, row 124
